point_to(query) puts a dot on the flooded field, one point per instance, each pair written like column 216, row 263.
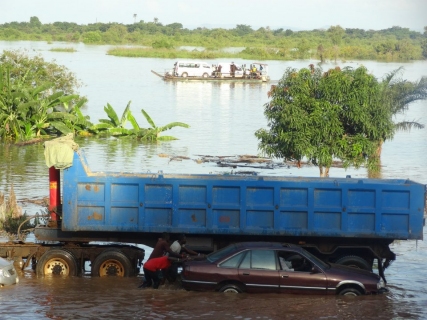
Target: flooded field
column 223, row 119
column 110, row 298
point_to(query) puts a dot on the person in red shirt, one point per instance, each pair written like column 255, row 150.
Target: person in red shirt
column 153, row 271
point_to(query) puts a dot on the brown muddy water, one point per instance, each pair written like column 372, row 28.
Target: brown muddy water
column 119, row 298
column 223, row 119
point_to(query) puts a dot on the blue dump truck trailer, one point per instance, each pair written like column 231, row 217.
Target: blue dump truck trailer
column 345, row 221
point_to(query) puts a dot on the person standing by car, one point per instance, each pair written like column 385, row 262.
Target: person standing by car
column 154, row 270
column 179, row 247
column 162, row 247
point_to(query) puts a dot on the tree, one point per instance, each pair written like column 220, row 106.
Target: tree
column 36, row 71
column 325, row 116
column 336, row 34
column 175, row 26
column 396, row 96
column 115, row 34
column 243, row 29
column 35, row 22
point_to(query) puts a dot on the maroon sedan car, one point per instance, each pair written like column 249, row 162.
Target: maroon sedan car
column 275, row 267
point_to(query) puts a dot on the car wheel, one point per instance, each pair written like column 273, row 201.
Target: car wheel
column 205, row 75
column 354, row 262
column 231, row 288
column 185, row 75
column 350, row 292
column 112, row 263
column 57, row 262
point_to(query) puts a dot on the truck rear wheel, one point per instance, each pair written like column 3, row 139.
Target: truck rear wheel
column 57, row 262
column 354, row 262
column 112, row 263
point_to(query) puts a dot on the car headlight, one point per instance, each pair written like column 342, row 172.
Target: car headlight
column 380, row 284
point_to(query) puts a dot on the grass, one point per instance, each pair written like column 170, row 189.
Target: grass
column 63, row 50
column 248, row 53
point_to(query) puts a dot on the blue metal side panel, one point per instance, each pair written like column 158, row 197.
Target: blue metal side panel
column 240, row 205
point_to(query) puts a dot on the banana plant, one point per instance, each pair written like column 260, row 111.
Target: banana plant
column 67, row 117
column 113, row 125
column 153, row 133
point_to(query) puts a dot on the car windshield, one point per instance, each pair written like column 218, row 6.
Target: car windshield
column 214, row 256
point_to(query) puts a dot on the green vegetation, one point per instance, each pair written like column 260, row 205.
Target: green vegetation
column 117, row 127
column 392, row 44
column 339, row 114
column 63, row 50
column 38, row 100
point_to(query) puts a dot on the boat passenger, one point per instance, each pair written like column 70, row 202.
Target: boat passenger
column 254, row 73
column 233, row 69
column 218, row 73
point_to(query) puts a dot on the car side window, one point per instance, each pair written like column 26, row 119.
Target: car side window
column 233, row 262
column 293, row 261
column 246, row 262
column 263, row 259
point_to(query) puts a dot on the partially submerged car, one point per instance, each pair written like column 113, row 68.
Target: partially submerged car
column 275, row 267
column 8, row 274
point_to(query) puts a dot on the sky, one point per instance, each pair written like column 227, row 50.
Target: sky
column 287, row 14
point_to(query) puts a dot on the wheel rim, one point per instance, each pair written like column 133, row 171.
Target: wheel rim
column 231, row 290
column 56, row 266
column 111, row 267
column 351, row 294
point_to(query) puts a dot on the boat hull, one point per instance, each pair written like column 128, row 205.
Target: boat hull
column 212, row 79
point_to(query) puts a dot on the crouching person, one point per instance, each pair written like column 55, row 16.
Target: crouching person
column 153, row 271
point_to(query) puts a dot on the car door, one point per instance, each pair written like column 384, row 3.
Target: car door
column 303, row 277
column 258, row 271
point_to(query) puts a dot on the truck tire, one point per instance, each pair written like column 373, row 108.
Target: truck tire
column 57, row 262
column 112, row 262
column 355, row 262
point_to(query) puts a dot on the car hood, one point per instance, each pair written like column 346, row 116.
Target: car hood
column 196, row 263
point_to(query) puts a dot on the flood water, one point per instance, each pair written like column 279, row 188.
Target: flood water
column 223, row 119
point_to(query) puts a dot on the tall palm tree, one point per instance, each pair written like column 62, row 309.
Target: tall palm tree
column 397, row 95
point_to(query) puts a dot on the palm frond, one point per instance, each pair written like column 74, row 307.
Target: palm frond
column 408, row 125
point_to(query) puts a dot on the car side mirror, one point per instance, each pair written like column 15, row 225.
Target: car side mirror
column 314, row 269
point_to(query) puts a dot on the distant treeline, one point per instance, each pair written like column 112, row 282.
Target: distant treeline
column 392, row 44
